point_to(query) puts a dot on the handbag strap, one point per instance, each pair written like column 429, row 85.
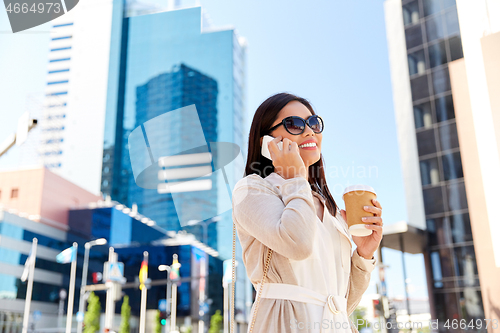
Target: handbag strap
column 266, row 268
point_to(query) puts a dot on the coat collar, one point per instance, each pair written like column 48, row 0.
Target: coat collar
column 339, row 223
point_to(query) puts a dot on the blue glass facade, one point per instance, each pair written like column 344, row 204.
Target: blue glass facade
column 163, row 62
column 126, row 234
column 159, row 63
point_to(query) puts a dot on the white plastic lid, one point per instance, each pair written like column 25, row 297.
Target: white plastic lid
column 358, row 187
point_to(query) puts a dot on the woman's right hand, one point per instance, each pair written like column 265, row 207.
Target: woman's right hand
column 287, row 162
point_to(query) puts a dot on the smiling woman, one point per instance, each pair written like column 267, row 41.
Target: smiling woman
column 293, row 235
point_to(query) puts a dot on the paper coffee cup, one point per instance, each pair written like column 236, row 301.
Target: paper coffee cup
column 355, row 198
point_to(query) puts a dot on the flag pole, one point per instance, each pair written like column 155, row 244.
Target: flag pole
column 71, row 293
column 29, row 290
column 142, row 319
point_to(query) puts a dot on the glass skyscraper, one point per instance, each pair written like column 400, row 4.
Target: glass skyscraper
column 161, row 62
column 425, row 49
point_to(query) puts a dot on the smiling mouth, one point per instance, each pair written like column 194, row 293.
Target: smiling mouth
column 308, row 145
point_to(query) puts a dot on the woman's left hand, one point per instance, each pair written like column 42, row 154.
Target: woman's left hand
column 367, row 245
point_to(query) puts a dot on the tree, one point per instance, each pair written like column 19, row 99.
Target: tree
column 216, row 323
column 125, row 324
column 93, row 314
column 358, row 318
column 157, row 322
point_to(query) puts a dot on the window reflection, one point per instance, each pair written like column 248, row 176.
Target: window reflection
column 446, row 309
column 457, row 198
column 429, row 171
column 437, row 54
column 460, row 228
column 452, row 166
column 419, row 87
column 434, row 27
column 416, row 62
column 410, row 13
column 451, row 22
column 438, row 231
column 413, row 36
column 426, row 142
column 448, row 136
column 444, row 108
column 441, row 80
column 456, row 51
column 433, row 200
column 471, row 306
column 431, row 6
column 423, row 116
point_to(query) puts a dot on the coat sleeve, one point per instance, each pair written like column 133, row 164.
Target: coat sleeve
column 359, row 279
column 285, row 225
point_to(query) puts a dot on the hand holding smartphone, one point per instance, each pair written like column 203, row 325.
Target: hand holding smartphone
column 265, row 149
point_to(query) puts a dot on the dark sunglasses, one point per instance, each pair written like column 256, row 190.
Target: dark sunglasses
column 296, row 125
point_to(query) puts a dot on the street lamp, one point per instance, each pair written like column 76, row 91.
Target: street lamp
column 173, row 311
column 88, row 245
column 205, row 225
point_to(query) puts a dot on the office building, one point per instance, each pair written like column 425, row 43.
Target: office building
column 80, row 219
column 444, row 67
column 72, row 124
column 165, row 61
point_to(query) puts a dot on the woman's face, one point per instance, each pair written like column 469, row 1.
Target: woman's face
column 310, row 155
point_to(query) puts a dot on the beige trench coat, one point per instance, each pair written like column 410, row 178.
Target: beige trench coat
column 275, row 212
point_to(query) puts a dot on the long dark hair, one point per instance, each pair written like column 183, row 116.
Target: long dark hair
column 263, row 119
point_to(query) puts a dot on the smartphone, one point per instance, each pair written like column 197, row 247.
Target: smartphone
column 265, row 149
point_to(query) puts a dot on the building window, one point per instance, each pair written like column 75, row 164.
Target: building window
column 456, row 51
column 416, row 62
column 437, row 54
column 460, row 228
column 423, row 115
column 451, row 22
column 471, row 305
column 429, row 171
column 448, row 136
column 457, row 198
column 419, row 87
column 441, row 80
column 434, row 27
column 465, row 261
column 14, row 193
column 426, row 142
column 431, row 7
column 433, row 200
column 444, row 108
column 452, row 166
column 411, row 13
column 413, row 36
column 438, row 231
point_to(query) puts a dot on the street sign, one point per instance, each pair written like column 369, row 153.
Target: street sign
column 204, row 307
column 37, row 315
column 79, row 316
column 115, row 272
column 162, row 305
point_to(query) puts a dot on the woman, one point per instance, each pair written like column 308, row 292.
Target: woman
column 312, row 283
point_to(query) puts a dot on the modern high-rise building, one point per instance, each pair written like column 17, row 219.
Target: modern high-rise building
column 72, row 123
column 445, row 68
column 161, row 62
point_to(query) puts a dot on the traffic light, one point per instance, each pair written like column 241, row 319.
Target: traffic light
column 377, row 307
column 163, row 317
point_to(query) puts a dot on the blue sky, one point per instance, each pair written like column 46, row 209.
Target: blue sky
column 333, row 53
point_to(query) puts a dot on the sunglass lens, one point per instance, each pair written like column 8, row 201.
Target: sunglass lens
column 295, row 125
column 316, row 124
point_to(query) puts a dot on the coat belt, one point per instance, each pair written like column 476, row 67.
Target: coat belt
column 334, row 306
